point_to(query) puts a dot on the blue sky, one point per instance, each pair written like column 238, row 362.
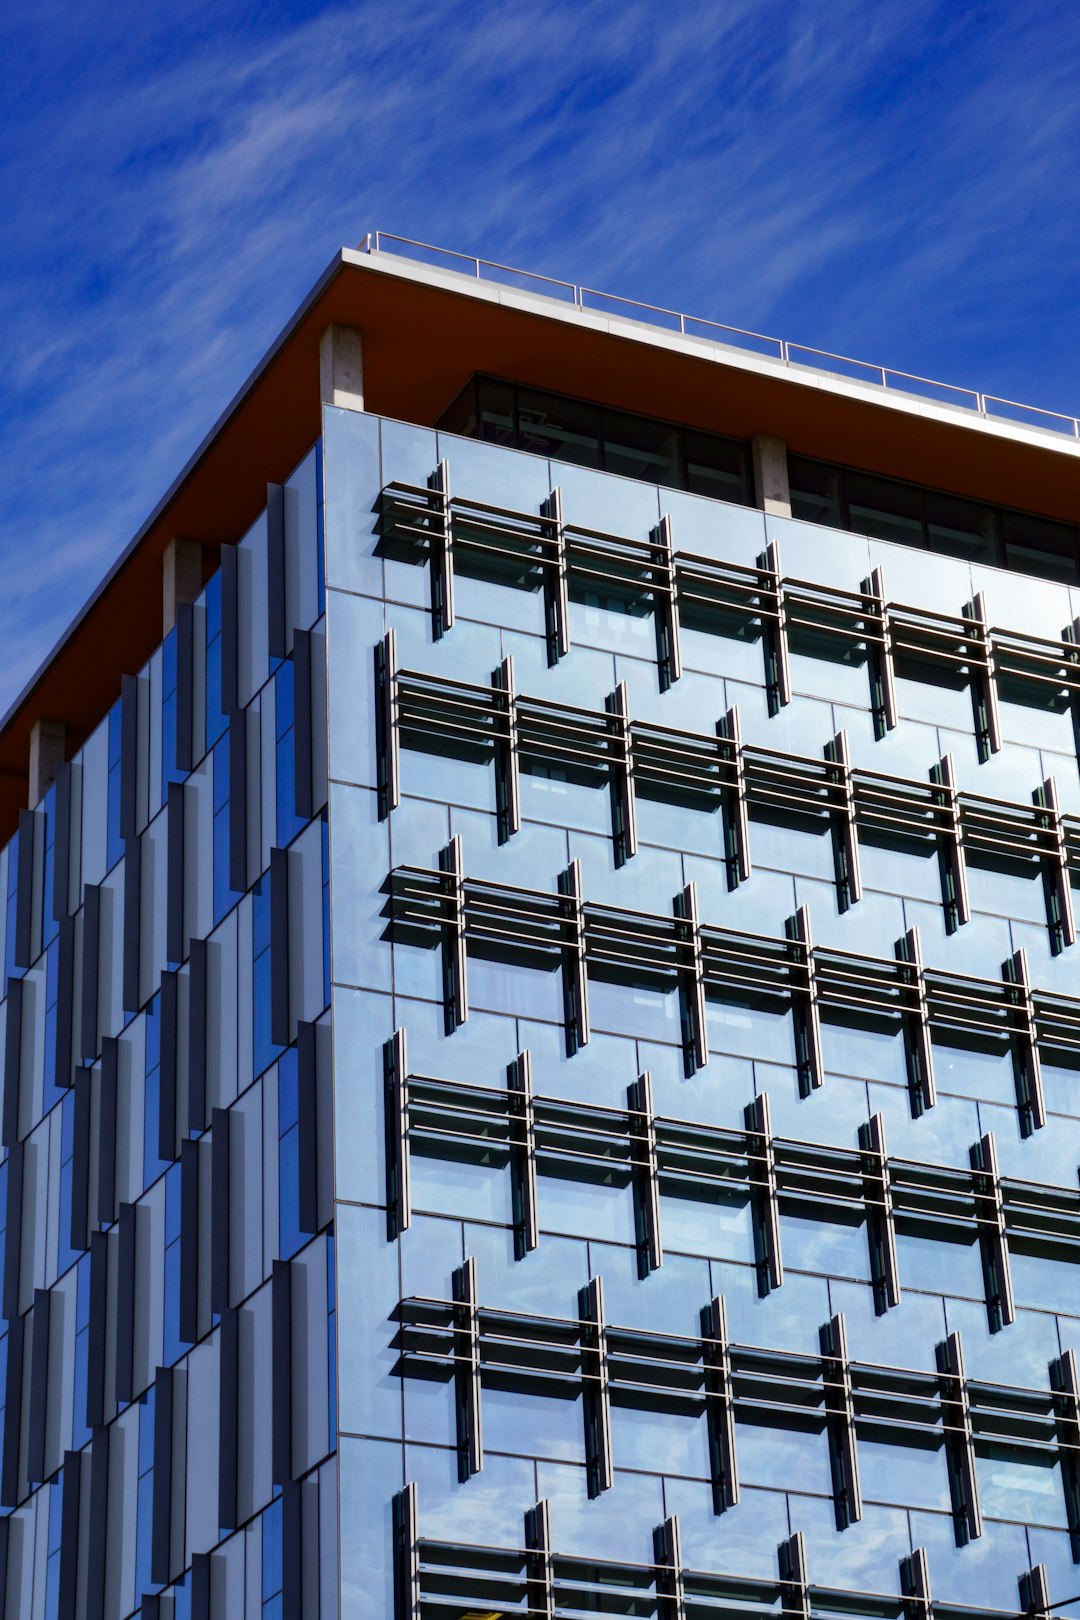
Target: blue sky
column 896, row 181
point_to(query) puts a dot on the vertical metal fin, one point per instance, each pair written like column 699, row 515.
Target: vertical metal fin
column 840, row 1422
column 442, row 552
column 280, row 926
column 275, row 571
column 281, row 1377
column 1065, row 1384
column 455, row 964
column 395, row 1068
column 507, row 777
column 692, row 980
column 1034, row 1589
column 954, row 888
column 641, row 1129
column 466, row 1313
column 736, row 810
column 844, row 825
column 993, row 1233
column 880, row 1218
column 522, row 1155
column 575, row 962
column 666, row 605
column 1059, row 904
column 220, row 1200
column 720, row 1407
column 539, row 1563
column 670, row 1588
column 880, row 659
column 959, row 1440
column 804, row 1002
column 918, row 1046
column 915, row 1586
column 774, row 629
column 794, row 1581
column 161, row 1571
column 983, row 676
column 594, row 1372
column 406, row 1533
column 765, row 1208
column 623, row 807
column 1024, row 1039
column 556, row 580
column 132, row 936
column 388, row 730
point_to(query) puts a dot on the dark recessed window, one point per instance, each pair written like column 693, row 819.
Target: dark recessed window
column 567, row 429
column 718, row 467
column 962, row 528
column 639, row 448
column 886, row 510
column 1038, row 546
column 496, row 412
column 815, row 492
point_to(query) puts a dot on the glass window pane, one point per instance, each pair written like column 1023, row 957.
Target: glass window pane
column 963, row 528
column 495, row 409
column 638, row 447
column 884, row 509
column 1038, row 546
column 719, row 468
column 815, row 492
column 567, row 429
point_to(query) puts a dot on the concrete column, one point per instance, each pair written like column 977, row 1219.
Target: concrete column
column 341, row 367
column 181, row 578
column 48, row 740
column 771, row 475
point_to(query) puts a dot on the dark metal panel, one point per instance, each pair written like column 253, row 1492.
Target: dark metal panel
column 132, row 923
column 129, row 747
column 281, row 1316
column 24, row 891
column 98, row 1524
column 99, row 1304
column 307, row 1090
column 125, row 1302
column 303, row 768
column 61, row 904
column 185, row 686
column 107, row 1102
column 91, row 946
column 10, row 1479
column 70, row 1505
column 228, row 1418
column 40, row 1330
column 175, row 938
column 229, row 603
column 197, row 1036
column 238, row 808
column 200, row 1572
column 12, row 1062
column 13, row 1229
column 189, row 1241
column 167, row 1071
column 292, row 1551
column 80, row 1161
column 275, row 569
column 279, row 947
column 220, row 1175
column 65, row 1001
column 161, row 1512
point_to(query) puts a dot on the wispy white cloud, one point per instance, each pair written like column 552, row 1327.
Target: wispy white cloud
column 864, row 177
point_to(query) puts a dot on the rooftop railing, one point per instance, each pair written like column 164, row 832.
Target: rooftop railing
column 988, row 406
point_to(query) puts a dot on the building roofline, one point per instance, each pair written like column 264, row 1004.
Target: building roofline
column 426, row 330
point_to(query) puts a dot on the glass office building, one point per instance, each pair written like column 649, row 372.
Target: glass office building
column 541, row 1028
